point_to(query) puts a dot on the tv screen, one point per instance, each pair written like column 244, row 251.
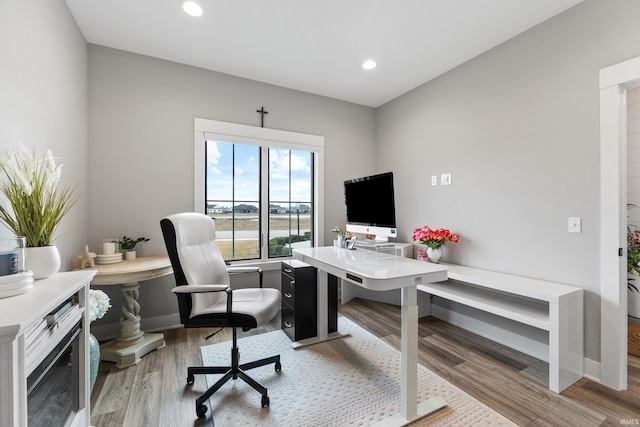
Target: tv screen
column 370, row 200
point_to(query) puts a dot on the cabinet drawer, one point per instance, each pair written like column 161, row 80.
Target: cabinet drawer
column 288, row 290
column 287, row 269
column 288, row 321
column 288, row 294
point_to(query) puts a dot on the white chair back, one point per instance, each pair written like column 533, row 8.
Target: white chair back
column 200, row 256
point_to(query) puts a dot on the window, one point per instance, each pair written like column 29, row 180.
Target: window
column 291, row 206
column 261, row 187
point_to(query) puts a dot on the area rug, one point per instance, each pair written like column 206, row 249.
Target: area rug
column 351, row 381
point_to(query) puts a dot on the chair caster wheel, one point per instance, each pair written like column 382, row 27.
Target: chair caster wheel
column 201, row 411
column 190, row 379
column 265, row 401
column 278, row 367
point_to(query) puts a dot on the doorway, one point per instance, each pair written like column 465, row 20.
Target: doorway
column 615, row 81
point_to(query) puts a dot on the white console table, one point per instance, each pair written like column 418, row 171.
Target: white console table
column 18, row 314
column 549, row 306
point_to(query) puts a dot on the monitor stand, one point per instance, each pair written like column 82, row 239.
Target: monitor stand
column 374, row 244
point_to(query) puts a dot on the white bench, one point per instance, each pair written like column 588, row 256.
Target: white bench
column 549, row 306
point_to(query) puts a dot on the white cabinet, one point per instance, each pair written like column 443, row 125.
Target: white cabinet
column 21, row 352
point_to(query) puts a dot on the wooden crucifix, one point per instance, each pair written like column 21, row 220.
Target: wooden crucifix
column 262, row 113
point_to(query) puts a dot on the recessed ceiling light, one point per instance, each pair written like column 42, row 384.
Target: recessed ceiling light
column 191, row 7
column 369, row 64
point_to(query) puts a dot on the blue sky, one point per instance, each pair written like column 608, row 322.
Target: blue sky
column 221, row 171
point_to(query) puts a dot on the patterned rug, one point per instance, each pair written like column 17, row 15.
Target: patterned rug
column 352, row 381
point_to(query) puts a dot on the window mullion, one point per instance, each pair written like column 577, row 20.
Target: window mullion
column 264, row 203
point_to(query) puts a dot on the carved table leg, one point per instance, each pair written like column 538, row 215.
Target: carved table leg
column 127, row 349
column 130, row 321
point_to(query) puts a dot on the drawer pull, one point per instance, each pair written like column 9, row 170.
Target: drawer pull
column 287, row 324
column 287, row 270
column 287, row 295
column 293, row 282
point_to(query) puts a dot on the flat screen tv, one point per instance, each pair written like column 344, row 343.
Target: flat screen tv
column 370, row 206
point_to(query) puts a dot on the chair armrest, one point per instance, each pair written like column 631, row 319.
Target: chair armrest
column 197, row 289
column 242, row 269
column 245, row 269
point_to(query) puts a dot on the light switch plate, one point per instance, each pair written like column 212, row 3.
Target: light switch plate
column 434, row 180
column 575, row 225
column 445, row 179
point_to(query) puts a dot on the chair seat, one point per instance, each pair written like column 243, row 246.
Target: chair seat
column 260, row 303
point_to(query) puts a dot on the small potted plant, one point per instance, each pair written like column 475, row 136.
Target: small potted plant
column 128, row 245
column 339, row 242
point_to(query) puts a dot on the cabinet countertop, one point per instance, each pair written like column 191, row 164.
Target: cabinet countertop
column 17, row 312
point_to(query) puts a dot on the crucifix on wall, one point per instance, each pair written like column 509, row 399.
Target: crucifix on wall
column 262, row 113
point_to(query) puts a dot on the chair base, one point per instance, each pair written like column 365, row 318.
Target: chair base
column 231, row 372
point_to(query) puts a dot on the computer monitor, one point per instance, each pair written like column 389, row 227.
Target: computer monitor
column 370, row 206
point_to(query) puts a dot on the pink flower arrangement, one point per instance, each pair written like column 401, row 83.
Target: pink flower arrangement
column 434, row 238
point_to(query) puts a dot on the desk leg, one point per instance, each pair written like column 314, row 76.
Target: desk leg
column 127, row 349
column 410, row 409
column 409, row 353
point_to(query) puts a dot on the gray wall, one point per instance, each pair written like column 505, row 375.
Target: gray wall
column 43, row 101
column 518, row 128
column 141, row 113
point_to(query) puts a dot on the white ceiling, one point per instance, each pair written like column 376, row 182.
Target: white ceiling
column 316, row 46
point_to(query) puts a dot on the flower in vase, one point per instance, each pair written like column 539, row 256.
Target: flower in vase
column 35, row 203
column 98, row 304
column 434, row 238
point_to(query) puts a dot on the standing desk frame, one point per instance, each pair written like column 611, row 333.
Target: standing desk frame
column 380, row 272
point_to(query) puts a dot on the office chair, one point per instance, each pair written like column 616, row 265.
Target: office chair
column 206, row 300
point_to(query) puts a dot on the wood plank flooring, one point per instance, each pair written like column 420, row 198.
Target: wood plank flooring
column 154, row 392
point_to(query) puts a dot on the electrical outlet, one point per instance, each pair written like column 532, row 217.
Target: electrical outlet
column 445, row 179
column 434, row 180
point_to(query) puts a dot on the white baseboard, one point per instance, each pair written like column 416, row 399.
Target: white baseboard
column 592, row 370
column 153, row 324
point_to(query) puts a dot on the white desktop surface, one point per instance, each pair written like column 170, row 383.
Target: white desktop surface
column 379, row 271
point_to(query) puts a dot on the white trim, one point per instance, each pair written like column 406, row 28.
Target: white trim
column 257, row 133
column 614, row 82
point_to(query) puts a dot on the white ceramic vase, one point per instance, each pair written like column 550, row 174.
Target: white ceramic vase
column 44, row 261
column 434, row 255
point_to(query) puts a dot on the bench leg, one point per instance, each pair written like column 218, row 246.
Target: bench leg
column 566, row 343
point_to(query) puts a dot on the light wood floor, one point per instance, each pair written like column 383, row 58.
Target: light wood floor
column 153, row 393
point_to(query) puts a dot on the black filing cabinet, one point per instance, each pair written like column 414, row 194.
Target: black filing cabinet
column 299, row 300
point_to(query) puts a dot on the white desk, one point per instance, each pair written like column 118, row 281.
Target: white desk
column 382, row 272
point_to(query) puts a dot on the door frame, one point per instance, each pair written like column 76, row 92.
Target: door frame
column 614, row 82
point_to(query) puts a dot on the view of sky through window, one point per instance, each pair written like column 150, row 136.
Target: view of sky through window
column 227, row 168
